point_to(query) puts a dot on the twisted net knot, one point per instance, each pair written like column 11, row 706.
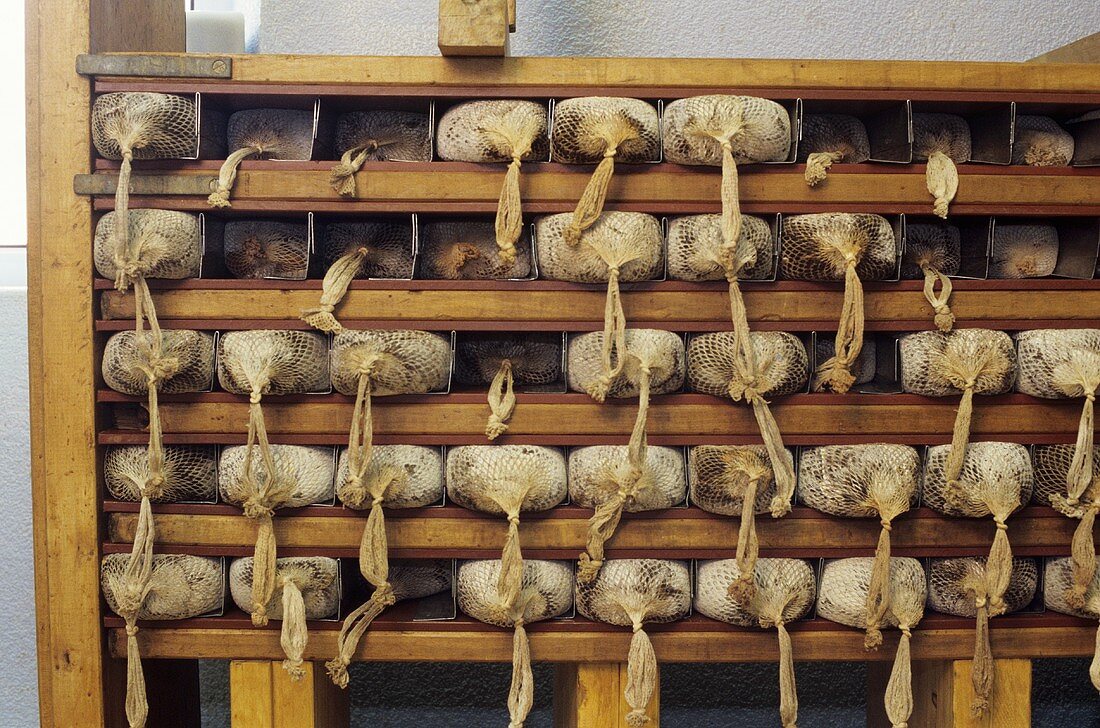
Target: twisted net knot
column 256, row 396
column 980, row 602
column 513, row 519
column 162, row 368
column 610, row 152
column 376, row 500
column 131, row 629
column 129, row 268
column 886, row 525
column 384, row 594
column 256, row 509
column 1001, row 525
column 906, row 630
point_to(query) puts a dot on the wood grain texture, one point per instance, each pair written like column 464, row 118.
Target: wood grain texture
column 251, row 694
column 474, row 27
column 312, row 702
column 155, row 26
column 942, row 693
column 587, row 695
column 1082, row 50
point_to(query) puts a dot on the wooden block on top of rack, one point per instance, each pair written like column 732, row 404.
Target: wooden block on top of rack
column 475, row 27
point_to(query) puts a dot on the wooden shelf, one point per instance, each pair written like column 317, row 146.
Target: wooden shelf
column 395, row 637
column 454, row 532
column 656, row 188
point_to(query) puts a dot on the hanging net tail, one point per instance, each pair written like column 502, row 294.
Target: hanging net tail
column 899, row 688
column 817, row 166
column 731, row 208
column 641, row 677
column 788, row 695
column 590, row 206
column 942, row 178
column 836, row 373
column 521, row 692
column 263, row 570
column 342, row 177
column 510, row 581
column 601, row 526
column 509, row 222
column 944, row 319
column 502, row 401
column 352, row 630
column 960, row 436
column 743, row 588
column 878, row 590
column 137, row 702
column 227, row 175
column 998, row 570
column 981, row 675
column 333, row 289
column 613, row 351
column 1079, row 476
column 777, row 454
column 293, row 636
column 122, row 202
column 1083, row 552
column 139, row 570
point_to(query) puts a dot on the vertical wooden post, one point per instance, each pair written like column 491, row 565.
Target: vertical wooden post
column 262, row 695
column 474, row 27
column 942, row 694
column 590, row 695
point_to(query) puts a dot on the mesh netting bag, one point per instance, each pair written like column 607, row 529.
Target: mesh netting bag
column 262, row 134
column 877, row 480
column 189, row 473
column 785, row 590
column 828, row 139
column 407, row 580
column 259, row 363
column 964, row 587
column 864, row 368
column 619, row 246
column 934, row 252
column 1060, row 581
column 266, row 249
column 964, row 362
column 358, row 250
column 502, row 360
column 601, row 129
column 631, row 593
column 497, row 130
column 142, row 586
column 1023, row 251
column 695, row 249
column 1039, row 142
column 1056, row 364
column 782, row 367
column 467, row 250
column 378, row 135
column 652, row 361
column 846, row 585
column 838, row 246
column 941, row 140
column 546, row 592
column 505, row 480
column 736, row 480
column 309, row 588
column 163, row 244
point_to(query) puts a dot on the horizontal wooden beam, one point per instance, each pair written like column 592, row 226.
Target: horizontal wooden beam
column 695, row 640
column 784, row 305
column 454, row 532
column 728, row 75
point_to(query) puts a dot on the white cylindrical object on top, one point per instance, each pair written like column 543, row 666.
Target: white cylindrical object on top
column 210, row 31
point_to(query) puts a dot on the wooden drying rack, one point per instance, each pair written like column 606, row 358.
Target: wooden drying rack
column 73, row 414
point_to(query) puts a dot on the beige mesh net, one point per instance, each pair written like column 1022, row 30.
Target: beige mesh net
column 467, row 250
column 163, row 244
column 864, row 368
column 966, row 362
column 258, row 363
column 781, row 366
column 309, row 588
column 845, row 588
column 864, row 481
column 650, row 361
column 600, row 129
column 546, row 592
column 377, row 136
column 734, row 480
column 497, row 130
column 620, row 246
column 140, row 585
column 695, row 249
column 942, row 140
column 785, row 590
column 266, row 249
column 262, row 134
column 835, row 246
column 631, row 593
column 185, row 362
column 304, row 474
column 965, row 587
column 189, row 472
column 505, row 480
column 1060, row 581
column 1023, row 251
column 1039, row 142
column 828, row 139
column 934, row 252
column 502, row 360
column 359, row 250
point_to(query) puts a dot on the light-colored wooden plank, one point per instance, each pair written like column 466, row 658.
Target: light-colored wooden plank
column 587, row 695
column 942, row 694
column 251, row 694
column 708, row 73
column 312, row 702
column 473, row 27
column 1082, row 50
column 138, row 25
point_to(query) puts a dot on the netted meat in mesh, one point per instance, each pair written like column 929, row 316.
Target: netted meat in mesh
column 547, row 592
column 304, row 474
column 784, row 591
column 168, row 244
column 996, row 478
column 831, row 138
column 272, row 362
column 493, row 130
column 863, row 368
column 720, row 474
column 695, row 249
column 694, row 129
column 146, row 125
column 263, row 134
column 266, row 249
column 128, row 358
column 930, row 362
column 629, row 242
column 586, row 128
column 661, row 352
column 1038, row 141
column 388, row 247
column 181, row 586
column 397, row 361
column 943, row 140
column 632, row 593
column 308, row 587
column 1023, row 251
column 416, row 470
column 416, row 579
column 953, row 584
column 377, row 135
column 467, row 250
column 189, row 472
column 781, row 360
column 1058, row 363
column 933, row 252
column 594, row 474
column 1052, row 467
column 1062, row 594
column 506, row 480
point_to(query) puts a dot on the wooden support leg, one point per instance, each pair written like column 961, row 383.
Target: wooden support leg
column 262, row 695
column 942, row 694
column 590, row 695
